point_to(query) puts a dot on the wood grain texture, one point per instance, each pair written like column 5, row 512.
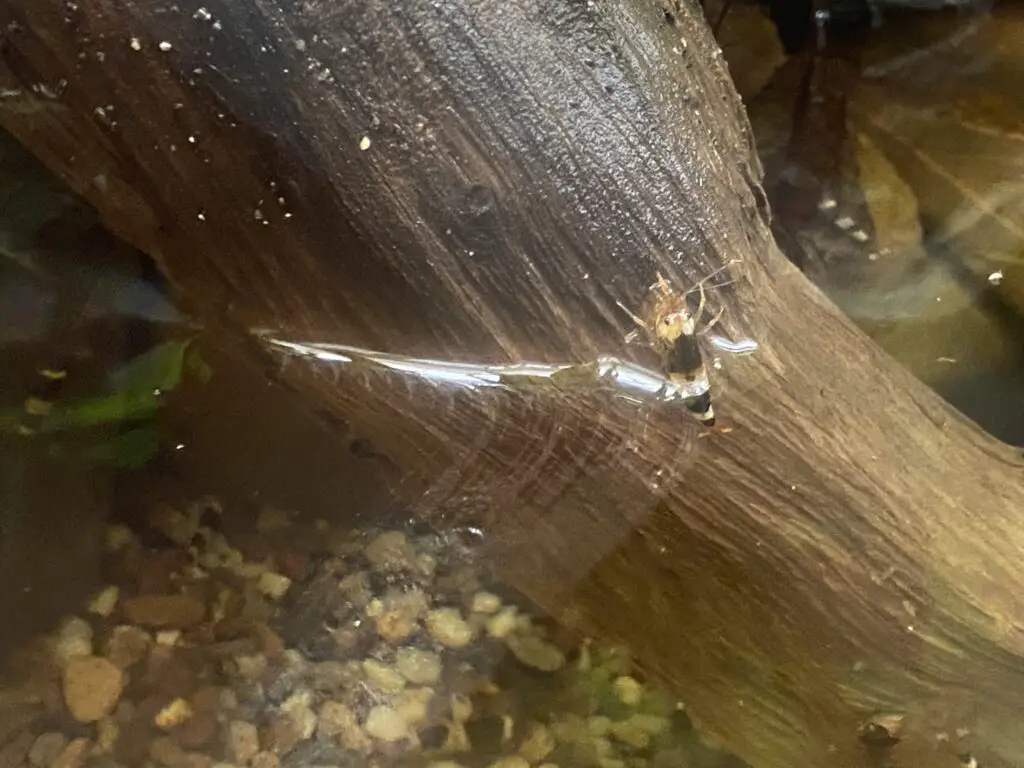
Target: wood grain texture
column 852, row 545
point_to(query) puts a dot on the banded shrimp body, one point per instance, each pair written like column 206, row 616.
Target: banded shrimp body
column 675, row 331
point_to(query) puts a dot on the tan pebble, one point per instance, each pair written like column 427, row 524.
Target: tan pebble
column 412, row 704
column 73, row 755
column 385, row 724
column 273, row 585
column 243, row 741
column 628, row 733
column 390, row 551
column 399, row 612
column 628, row 689
column 535, row 652
column 448, row 627
column 197, row 760
column 502, row 623
column 173, row 715
column 164, row 611
column 16, row 750
column 598, row 725
column 538, row 743
column 163, row 751
column 548, row 765
column 386, row 677
column 462, row 707
column 174, row 524
column 198, row 731
column 486, row 602
column 356, row 587
column 118, row 537
column 445, row 764
column 127, row 645
column 92, row 687
column 648, row 723
column 104, row 603
column 107, row 731
column 297, row 708
column 251, row 666
column 417, row 666
column 73, row 639
column 335, row 717
column 280, row 735
column 168, row 637
column 46, row 748
column 338, row 720
column 513, row 761
column 266, row 760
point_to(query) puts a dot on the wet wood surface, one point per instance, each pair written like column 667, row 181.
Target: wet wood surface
column 479, row 181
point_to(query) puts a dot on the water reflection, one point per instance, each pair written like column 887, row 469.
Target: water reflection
column 915, row 204
column 299, row 617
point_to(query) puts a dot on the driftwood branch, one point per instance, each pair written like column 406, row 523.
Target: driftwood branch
column 484, row 181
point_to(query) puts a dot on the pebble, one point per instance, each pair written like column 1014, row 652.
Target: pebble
column 243, row 741
column 650, row 723
column 538, row 743
column 417, row 666
column 107, row 731
column 266, row 760
column 629, row 733
column 174, row 714
column 164, row 751
column 356, row 587
column 628, row 690
column 73, row 755
column 486, row 602
column 92, row 687
column 251, row 666
column 412, row 704
column 445, row 764
column 168, row 637
column 105, row 601
column 448, row 627
column 173, row 523
column 128, row 645
column 386, row 724
column 164, row 611
column 391, row 551
column 514, row 761
column 398, row 614
column 502, row 624
column 46, row 748
column 118, row 537
column 73, row 639
column 297, row 709
column 535, row 652
column 273, row 585
column 340, row 721
column 386, row 677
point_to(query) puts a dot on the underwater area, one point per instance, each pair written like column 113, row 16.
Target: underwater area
column 198, row 568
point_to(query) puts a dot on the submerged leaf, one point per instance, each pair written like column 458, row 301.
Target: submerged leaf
column 128, row 450
column 137, row 388
column 158, row 369
column 121, row 406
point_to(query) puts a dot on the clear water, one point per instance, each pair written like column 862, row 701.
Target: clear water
column 184, row 470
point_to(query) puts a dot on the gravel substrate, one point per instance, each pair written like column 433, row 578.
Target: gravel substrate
column 296, row 644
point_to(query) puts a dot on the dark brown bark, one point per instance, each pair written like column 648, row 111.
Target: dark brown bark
column 851, row 546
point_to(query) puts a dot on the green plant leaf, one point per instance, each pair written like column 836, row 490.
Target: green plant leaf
column 128, row 450
column 138, row 388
